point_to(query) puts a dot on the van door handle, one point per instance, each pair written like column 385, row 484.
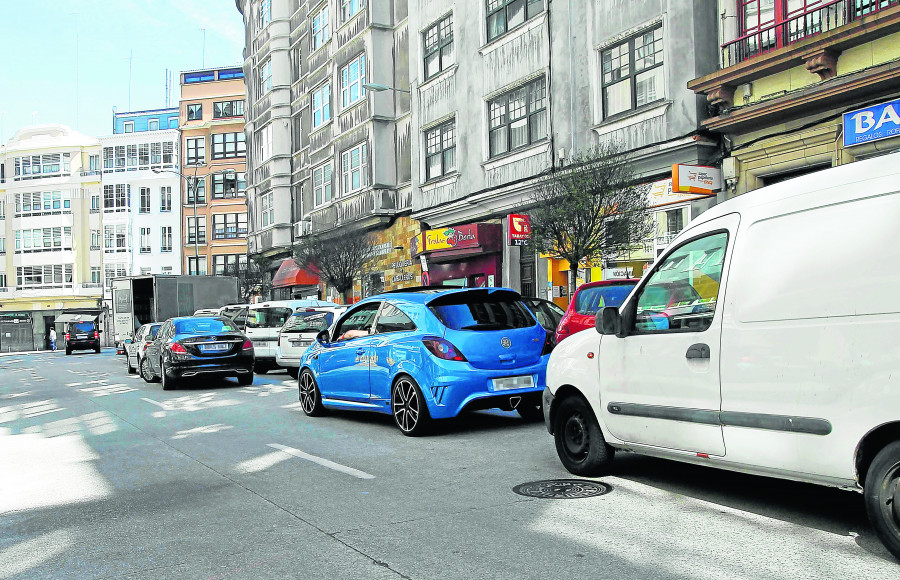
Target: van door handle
column 699, row 350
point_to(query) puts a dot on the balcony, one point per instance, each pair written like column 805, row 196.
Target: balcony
column 376, row 203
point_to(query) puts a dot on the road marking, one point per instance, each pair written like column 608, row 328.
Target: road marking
column 157, row 403
column 323, row 462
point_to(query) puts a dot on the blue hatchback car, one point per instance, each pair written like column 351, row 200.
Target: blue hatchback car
column 427, row 354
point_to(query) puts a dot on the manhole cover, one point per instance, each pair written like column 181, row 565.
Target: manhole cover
column 562, row 489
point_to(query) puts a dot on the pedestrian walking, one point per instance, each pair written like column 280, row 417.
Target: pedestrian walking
column 52, row 339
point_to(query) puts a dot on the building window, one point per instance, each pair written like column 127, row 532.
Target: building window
column 227, row 226
column 195, row 112
column 165, row 199
column 173, row 122
column 228, row 185
column 263, row 14
column 2, row 210
column 43, row 240
column 674, row 221
column 632, row 73
column 111, row 271
column 518, row 118
column 267, row 209
column 116, row 197
column 440, row 150
column 438, row 47
column 264, row 143
column 2, row 245
column 354, row 167
column 505, row 15
column 46, row 165
column 95, row 239
column 129, row 126
column 50, row 276
column 196, row 151
column 94, row 163
column 198, row 184
column 265, row 78
column 353, row 77
column 115, row 238
column 228, row 109
column 197, row 266
column 95, row 203
column 2, row 280
column 95, row 275
column 227, row 145
column 196, row 230
column 145, row 240
column 229, row 264
column 165, row 239
column 322, row 105
column 145, row 200
column 321, row 30
column 153, row 125
column 322, row 184
column 349, row 9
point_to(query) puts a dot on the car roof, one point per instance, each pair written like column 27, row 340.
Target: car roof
column 425, row 294
column 614, row 282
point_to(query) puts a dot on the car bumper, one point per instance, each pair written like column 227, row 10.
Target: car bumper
column 233, row 366
column 288, row 361
column 83, row 344
column 547, row 402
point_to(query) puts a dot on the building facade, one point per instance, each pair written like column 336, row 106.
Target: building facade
column 213, row 166
column 141, row 202
column 803, row 86
column 329, row 120
column 49, row 212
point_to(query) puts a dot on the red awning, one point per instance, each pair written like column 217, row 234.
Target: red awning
column 290, row 274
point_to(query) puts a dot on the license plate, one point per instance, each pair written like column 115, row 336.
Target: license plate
column 301, row 343
column 510, row 383
column 220, row 347
column 80, row 336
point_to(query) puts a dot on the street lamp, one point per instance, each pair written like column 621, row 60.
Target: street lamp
column 377, row 88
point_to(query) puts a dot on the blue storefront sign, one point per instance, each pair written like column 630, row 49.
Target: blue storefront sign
column 872, row 124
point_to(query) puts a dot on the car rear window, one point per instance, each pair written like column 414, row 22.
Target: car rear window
column 203, row 326
column 481, row 311
column 273, row 317
column 308, row 322
column 83, row 326
column 591, row 300
column 154, row 330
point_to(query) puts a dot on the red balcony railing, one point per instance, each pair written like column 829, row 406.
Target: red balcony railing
column 816, row 20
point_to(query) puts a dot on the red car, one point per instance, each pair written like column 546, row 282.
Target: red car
column 588, row 300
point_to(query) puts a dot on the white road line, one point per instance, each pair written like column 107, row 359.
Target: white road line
column 323, row 462
column 157, row 403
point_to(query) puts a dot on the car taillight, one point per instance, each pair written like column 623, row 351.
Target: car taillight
column 177, row 348
column 248, row 345
column 96, row 334
column 67, row 336
column 443, row 349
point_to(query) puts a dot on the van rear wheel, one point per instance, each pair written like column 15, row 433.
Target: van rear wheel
column 882, row 496
column 580, row 444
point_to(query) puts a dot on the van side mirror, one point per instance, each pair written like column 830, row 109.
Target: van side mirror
column 608, row 321
column 127, row 341
column 323, row 337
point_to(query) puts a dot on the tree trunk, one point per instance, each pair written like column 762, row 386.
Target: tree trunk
column 573, row 274
column 347, row 295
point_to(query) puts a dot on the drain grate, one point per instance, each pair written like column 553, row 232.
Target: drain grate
column 562, row 489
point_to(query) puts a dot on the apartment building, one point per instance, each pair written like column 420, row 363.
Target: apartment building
column 329, row 120
column 141, row 202
column 49, row 210
column 213, row 170
column 802, row 85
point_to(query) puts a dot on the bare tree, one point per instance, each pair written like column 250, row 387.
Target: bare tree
column 590, row 209
column 338, row 260
column 253, row 278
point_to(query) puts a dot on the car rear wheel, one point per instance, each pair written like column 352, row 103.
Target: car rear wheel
column 882, row 496
column 579, row 441
column 131, row 369
column 310, row 396
column 245, row 379
column 146, row 373
column 294, row 372
column 409, row 408
column 168, row 383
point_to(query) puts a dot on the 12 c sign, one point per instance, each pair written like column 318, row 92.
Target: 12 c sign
column 872, row 124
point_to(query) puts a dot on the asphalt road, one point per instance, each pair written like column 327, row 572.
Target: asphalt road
column 105, row 476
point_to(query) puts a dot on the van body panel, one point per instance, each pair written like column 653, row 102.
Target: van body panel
column 264, row 335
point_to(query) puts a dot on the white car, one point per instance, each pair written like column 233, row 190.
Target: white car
column 783, row 367
column 263, row 322
column 299, row 331
column 135, row 347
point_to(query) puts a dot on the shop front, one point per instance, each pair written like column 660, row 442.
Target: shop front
column 293, row 282
column 390, row 266
column 469, row 255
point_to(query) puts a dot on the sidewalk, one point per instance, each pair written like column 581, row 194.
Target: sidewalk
column 57, row 351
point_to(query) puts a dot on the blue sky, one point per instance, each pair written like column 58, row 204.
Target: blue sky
column 38, row 40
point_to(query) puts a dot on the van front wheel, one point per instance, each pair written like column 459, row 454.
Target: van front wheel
column 882, row 496
column 579, row 441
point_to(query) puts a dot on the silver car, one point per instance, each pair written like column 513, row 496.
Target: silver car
column 135, row 347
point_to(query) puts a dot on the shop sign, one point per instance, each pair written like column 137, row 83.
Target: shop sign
column 454, row 237
column 519, row 229
column 381, row 249
column 417, row 245
column 662, row 193
column 696, row 179
column 872, row 123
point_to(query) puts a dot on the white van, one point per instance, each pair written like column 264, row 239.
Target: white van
column 263, row 322
column 299, row 331
column 786, row 364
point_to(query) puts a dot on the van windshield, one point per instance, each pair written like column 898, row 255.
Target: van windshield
column 591, row 300
column 272, row 317
column 308, row 322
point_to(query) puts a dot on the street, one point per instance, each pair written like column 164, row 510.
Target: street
column 106, row 476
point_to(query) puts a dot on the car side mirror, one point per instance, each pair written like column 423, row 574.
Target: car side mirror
column 127, row 341
column 608, row 321
column 323, row 337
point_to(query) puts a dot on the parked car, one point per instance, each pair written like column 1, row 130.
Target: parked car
column 548, row 315
column 428, row 354
column 587, row 300
column 198, row 345
column 263, row 322
column 207, row 312
column 82, row 335
column 299, row 332
column 774, row 365
column 236, row 312
column 136, row 347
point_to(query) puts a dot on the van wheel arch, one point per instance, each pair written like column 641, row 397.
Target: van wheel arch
column 873, row 442
column 563, row 393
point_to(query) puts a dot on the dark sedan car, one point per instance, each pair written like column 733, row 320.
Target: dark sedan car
column 198, row 345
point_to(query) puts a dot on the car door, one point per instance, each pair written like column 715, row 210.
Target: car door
column 343, row 364
column 660, row 383
column 154, row 351
column 392, row 328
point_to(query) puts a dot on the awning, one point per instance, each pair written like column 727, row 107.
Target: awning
column 290, row 274
column 77, row 317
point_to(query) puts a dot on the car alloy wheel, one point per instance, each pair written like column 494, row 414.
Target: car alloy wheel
column 168, row 383
column 408, row 406
column 146, row 374
column 310, row 396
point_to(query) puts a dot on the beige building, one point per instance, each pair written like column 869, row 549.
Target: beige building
column 50, row 223
column 213, row 164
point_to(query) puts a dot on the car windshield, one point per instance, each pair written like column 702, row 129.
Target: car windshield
column 591, row 300
column 482, row 311
column 204, row 326
column 308, row 322
column 83, row 327
column 272, row 317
